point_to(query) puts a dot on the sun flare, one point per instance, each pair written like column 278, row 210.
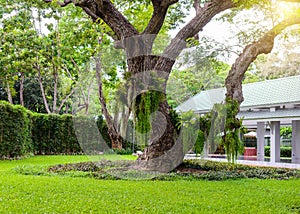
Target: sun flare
column 287, row 9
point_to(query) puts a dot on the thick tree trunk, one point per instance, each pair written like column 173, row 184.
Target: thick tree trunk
column 150, row 73
column 165, row 150
column 138, row 50
column 158, row 145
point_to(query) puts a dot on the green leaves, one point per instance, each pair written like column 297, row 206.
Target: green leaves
column 15, row 140
column 140, row 12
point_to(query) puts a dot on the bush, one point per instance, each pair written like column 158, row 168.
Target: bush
column 199, row 169
column 126, row 151
column 103, row 129
column 284, row 151
column 23, row 132
column 199, row 144
column 267, row 151
column 54, row 134
column 15, row 134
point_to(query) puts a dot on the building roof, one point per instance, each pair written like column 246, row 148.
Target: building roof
column 270, row 115
column 264, row 94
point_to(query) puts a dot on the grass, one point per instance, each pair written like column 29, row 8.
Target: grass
column 64, row 194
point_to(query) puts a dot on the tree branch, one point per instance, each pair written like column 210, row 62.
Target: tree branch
column 197, row 7
column 105, row 10
column 160, row 9
column 62, row 4
column 80, row 107
column 102, row 100
column 42, row 88
column 249, row 54
column 203, row 17
column 65, row 100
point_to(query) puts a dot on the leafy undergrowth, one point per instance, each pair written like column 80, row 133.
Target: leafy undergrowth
column 188, row 170
column 220, row 171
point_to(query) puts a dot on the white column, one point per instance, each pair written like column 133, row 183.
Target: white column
column 260, row 138
column 275, row 142
column 296, row 141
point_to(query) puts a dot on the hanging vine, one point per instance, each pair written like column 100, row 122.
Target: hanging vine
column 231, row 138
column 145, row 104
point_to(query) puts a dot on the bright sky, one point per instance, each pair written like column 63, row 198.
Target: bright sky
column 216, row 30
column 224, row 32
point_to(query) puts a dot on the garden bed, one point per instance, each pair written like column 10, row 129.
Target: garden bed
column 188, row 170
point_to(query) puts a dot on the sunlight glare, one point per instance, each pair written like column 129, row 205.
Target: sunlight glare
column 286, row 10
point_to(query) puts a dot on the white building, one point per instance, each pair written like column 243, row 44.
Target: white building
column 270, row 103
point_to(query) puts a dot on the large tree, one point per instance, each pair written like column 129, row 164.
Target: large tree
column 138, row 45
column 48, row 48
column 17, row 51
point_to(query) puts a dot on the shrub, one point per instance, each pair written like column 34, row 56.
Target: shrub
column 15, row 136
column 284, row 151
column 267, row 151
column 199, row 144
column 103, row 129
column 66, row 134
column 126, row 151
column 23, row 132
column 210, row 170
column 54, row 134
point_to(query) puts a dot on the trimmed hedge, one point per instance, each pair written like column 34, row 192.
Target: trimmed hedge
column 284, row 151
column 15, row 131
column 54, row 134
column 23, row 132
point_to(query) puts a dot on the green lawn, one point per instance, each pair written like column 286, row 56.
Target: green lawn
column 64, row 194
